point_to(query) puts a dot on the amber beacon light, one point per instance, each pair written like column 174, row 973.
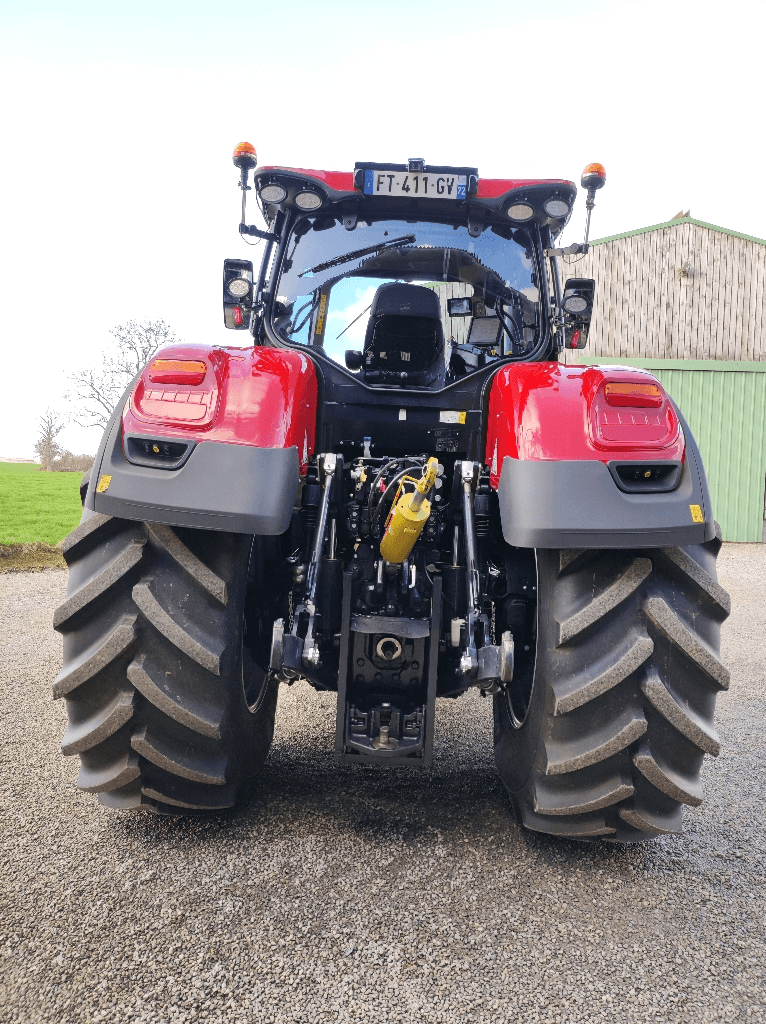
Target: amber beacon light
column 594, row 176
column 244, row 156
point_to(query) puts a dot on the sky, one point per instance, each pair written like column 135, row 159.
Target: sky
column 120, row 201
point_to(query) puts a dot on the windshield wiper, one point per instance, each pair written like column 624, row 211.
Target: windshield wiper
column 358, row 253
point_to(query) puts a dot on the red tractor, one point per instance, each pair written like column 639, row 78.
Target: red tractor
column 396, row 490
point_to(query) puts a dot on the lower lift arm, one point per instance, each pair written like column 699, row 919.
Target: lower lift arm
column 487, row 665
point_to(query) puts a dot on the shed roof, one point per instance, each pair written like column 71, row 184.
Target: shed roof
column 673, row 223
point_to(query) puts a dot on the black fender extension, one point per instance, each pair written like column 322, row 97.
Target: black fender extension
column 236, row 488
column 577, row 504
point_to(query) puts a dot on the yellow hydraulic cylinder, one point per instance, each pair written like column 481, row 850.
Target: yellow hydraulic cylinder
column 408, row 517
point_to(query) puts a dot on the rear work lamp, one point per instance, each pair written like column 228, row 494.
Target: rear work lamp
column 575, row 304
column 239, row 287
column 520, row 211
column 273, row 192
column 556, row 208
column 308, row 200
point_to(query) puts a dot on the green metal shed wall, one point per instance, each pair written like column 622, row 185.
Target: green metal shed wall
column 725, row 405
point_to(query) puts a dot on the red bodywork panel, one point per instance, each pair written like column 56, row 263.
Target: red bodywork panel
column 493, row 188
column 340, row 181
column 489, row 188
column 553, row 412
column 263, row 397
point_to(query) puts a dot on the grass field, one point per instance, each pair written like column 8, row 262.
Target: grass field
column 36, row 506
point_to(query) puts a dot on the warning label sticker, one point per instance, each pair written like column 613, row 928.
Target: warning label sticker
column 451, row 416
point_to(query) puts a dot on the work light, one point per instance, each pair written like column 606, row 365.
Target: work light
column 273, row 193
column 520, row 211
column 556, row 208
column 308, row 200
column 238, row 287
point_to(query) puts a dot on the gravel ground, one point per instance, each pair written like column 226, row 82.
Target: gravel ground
column 351, row 894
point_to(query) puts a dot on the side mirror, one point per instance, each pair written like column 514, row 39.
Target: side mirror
column 577, row 306
column 354, row 359
column 237, row 294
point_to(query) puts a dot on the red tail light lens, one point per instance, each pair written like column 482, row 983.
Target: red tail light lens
column 633, row 395
column 177, row 371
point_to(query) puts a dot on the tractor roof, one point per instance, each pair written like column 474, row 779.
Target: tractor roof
column 456, row 192
column 343, row 181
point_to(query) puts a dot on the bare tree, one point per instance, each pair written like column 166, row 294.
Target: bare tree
column 95, row 391
column 47, row 447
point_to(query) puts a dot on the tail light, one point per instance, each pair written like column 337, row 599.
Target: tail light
column 634, row 413
column 633, row 395
column 177, row 371
column 176, row 392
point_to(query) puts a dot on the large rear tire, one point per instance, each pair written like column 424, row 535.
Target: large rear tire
column 607, row 736
column 168, row 703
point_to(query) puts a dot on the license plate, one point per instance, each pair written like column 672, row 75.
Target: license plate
column 403, row 184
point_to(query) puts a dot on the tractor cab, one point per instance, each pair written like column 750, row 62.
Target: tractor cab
column 406, row 276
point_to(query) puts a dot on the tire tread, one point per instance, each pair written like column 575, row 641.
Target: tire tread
column 603, row 603
column 668, row 781
column 99, row 583
column 97, row 657
column 172, row 544
column 595, row 746
column 621, row 714
column 685, row 720
column 204, row 720
column 206, row 655
column 164, row 754
column 679, row 634
column 153, row 634
column 103, row 723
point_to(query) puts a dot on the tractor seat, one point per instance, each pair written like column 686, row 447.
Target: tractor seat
column 404, row 341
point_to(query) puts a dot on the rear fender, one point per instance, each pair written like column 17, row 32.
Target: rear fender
column 554, row 445
column 226, row 453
